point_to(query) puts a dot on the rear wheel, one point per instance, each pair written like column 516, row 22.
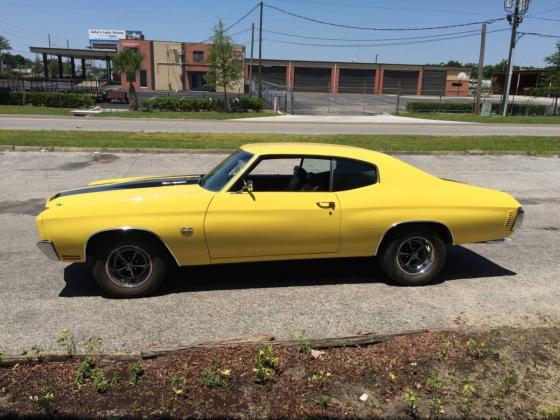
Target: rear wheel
column 130, row 267
column 413, row 257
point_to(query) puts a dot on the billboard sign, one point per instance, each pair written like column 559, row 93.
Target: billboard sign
column 134, row 35
column 106, row 35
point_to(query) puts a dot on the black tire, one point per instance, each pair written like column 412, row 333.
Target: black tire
column 399, row 247
column 148, row 267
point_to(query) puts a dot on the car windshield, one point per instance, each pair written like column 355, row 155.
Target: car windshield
column 225, row 171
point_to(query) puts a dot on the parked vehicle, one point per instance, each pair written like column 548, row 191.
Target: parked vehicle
column 273, row 201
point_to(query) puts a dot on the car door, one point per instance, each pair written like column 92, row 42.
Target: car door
column 271, row 220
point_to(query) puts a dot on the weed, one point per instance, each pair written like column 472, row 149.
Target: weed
column 66, row 339
column 304, row 346
column 92, row 344
column 469, row 390
column 318, row 377
column 178, row 385
column 116, row 379
column 392, row 376
column 507, row 383
column 36, row 349
column 85, row 370
column 266, row 364
column 550, row 413
column 135, row 372
column 413, row 368
column 1, row 355
column 216, row 376
column 480, row 349
column 436, row 406
column 412, row 397
column 433, row 381
column 100, row 383
column 322, row 402
column 45, row 402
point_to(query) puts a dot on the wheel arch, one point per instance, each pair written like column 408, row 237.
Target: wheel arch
column 95, row 240
column 441, row 228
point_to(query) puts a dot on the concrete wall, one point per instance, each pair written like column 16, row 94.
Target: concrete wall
column 168, row 65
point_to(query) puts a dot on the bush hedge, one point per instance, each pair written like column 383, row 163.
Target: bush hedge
column 199, row 104
column 517, row 109
column 51, row 99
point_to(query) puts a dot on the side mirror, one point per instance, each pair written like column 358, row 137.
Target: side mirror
column 247, row 186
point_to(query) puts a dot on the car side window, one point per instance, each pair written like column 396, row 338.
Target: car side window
column 351, row 174
column 288, row 174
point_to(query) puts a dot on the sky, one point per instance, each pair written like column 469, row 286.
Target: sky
column 28, row 22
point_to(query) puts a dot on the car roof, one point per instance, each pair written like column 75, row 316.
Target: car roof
column 319, row 149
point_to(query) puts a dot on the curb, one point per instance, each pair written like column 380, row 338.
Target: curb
column 14, row 148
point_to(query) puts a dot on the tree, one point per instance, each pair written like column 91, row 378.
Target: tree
column 554, row 59
column 224, row 61
column 4, row 45
column 37, row 68
column 128, row 62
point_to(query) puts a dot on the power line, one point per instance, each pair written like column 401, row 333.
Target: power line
column 21, row 29
column 235, row 23
column 373, row 40
column 380, row 44
column 368, row 28
column 539, row 35
column 368, row 6
column 541, row 18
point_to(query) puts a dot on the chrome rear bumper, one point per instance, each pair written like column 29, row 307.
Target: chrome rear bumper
column 47, row 248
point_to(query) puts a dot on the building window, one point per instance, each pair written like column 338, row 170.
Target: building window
column 143, row 78
column 198, row 56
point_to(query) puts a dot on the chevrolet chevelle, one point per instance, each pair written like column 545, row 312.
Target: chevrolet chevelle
column 273, row 201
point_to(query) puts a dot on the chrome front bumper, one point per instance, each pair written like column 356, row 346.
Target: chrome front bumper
column 47, row 248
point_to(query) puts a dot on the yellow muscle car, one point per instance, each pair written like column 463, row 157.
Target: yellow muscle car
column 272, row 201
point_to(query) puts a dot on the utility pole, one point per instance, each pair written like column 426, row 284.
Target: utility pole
column 67, row 44
column 514, row 18
column 480, row 69
column 49, row 40
column 260, row 48
column 251, row 60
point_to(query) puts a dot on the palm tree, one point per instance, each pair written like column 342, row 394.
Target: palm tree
column 4, row 45
column 128, row 61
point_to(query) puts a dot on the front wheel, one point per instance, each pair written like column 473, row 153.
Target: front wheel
column 130, row 268
column 413, row 257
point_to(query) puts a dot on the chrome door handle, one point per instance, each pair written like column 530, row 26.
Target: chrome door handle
column 326, row 204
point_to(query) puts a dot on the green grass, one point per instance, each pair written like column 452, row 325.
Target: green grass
column 496, row 119
column 34, row 110
column 210, row 115
column 43, row 110
column 185, row 140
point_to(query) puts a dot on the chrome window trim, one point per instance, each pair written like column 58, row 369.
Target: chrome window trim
column 408, row 222
column 127, row 228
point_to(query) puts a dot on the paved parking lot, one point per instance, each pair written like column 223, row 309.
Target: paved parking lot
column 515, row 283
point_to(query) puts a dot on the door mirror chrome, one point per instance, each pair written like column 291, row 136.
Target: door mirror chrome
column 247, row 186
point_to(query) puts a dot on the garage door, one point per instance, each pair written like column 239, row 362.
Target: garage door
column 433, row 82
column 403, row 82
column 308, row 79
column 356, row 81
column 271, row 74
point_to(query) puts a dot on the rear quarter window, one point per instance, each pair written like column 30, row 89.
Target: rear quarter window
column 351, row 174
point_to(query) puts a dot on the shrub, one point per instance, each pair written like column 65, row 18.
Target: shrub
column 439, row 107
column 516, row 109
column 51, row 99
column 175, row 104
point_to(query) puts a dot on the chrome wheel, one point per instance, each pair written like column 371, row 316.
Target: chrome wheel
column 415, row 255
column 128, row 266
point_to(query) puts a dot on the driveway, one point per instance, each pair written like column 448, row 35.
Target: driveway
column 312, row 124
column 514, row 283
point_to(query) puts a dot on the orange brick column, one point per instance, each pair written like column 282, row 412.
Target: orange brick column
column 290, row 73
column 335, row 79
column 420, row 81
column 379, row 81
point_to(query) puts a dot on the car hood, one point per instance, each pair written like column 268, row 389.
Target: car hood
column 129, row 183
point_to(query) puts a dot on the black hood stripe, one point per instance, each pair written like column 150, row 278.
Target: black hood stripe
column 145, row 183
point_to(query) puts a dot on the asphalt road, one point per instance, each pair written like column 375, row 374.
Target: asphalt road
column 308, row 125
column 514, row 283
